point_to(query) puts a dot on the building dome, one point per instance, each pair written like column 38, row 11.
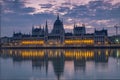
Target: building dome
column 58, row 27
column 58, row 22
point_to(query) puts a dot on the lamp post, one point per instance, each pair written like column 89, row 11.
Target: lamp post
column 117, row 27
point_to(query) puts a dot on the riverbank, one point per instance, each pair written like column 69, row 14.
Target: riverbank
column 61, row 47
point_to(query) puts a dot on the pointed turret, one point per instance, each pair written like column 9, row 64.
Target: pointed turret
column 58, row 16
column 83, row 25
column 13, row 32
column 32, row 27
column 46, row 32
column 74, row 25
column 40, row 27
column 74, row 28
column 46, row 28
column 43, row 28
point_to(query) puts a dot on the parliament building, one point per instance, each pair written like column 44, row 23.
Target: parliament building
column 58, row 37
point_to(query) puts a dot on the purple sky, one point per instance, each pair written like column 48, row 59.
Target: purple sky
column 20, row 15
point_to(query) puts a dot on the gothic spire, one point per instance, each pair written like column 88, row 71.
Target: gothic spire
column 40, row 27
column 74, row 25
column 58, row 16
column 46, row 24
column 46, row 27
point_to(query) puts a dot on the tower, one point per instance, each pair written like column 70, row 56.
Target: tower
column 58, row 30
column 74, row 28
column 46, row 32
column 38, row 32
column 58, row 27
column 46, row 28
column 79, row 30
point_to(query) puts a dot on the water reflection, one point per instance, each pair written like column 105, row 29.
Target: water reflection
column 41, row 58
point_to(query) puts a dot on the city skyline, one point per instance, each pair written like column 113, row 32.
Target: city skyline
column 20, row 15
column 59, row 39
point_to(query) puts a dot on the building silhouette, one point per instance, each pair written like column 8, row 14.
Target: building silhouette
column 57, row 37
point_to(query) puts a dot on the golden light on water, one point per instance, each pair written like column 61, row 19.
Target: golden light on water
column 79, row 54
column 72, row 54
column 32, row 53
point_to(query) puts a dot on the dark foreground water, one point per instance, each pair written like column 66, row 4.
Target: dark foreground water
column 71, row 64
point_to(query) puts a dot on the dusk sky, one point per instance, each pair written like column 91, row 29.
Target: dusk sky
column 21, row 15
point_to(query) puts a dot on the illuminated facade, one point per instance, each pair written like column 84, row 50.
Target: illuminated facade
column 57, row 37
column 79, row 42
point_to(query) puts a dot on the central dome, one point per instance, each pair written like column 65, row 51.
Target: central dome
column 58, row 26
column 58, row 22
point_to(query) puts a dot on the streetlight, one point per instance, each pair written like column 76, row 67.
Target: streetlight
column 116, row 27
column 117, row 41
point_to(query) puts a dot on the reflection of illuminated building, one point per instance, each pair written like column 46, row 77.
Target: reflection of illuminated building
column 41, row 59
column 66, row 54
column 62, row 62
column 118, row 53
column 37, row 64
column 79, row 64
column 58, row 65
column 101, row 56
column 77, row 54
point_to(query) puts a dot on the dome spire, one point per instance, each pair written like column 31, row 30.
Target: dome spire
column 57, row 16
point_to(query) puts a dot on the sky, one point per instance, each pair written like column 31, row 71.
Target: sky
column 21, row 15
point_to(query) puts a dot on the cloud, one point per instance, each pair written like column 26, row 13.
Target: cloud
column 22, row 14
column 95, row 10
column 16, row 6
column 46, row 5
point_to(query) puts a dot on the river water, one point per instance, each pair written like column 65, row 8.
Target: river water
column 59, row 64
